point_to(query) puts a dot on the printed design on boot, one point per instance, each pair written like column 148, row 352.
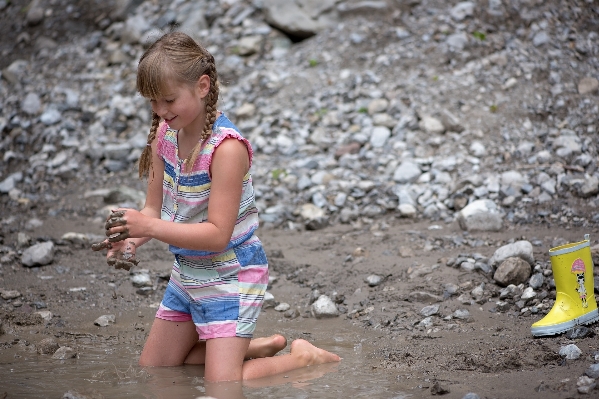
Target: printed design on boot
column 578, row 268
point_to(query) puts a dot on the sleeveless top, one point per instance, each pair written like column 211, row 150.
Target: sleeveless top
column 185, row 193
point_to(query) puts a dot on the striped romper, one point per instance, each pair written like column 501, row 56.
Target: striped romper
column 221, row 292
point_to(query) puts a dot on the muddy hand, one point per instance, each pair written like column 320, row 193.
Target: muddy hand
column 123, row 259
column 117, row 219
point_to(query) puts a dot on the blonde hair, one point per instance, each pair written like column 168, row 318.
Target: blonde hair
column 176, row 56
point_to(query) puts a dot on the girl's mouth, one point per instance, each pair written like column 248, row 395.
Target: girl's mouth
column 169, row 120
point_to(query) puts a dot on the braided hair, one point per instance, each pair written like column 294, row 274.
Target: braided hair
column 176, row 56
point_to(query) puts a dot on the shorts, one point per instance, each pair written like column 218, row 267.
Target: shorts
column 222, row 295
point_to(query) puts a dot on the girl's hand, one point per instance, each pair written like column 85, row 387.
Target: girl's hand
column 124, row 223
column 120, row 254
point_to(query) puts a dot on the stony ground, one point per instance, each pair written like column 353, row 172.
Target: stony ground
column 371, row 137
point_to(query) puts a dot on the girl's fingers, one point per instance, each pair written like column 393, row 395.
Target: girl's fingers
column 101, row 245
column 118, row 236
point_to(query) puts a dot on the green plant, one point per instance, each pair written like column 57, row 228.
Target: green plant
column 493, row 108
column 363, row 110
column 278, row 173
column 322, row 112
column 312, row 62
column 479, row 35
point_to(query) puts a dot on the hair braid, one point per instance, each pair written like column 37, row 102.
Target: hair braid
column 210, row 102
column 145, row 160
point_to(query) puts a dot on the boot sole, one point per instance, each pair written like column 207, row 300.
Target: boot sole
column 556, row 329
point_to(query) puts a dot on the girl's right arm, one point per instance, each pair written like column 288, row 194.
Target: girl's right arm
column 153, row 203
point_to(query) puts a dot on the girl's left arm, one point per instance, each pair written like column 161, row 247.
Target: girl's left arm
column 230, row 163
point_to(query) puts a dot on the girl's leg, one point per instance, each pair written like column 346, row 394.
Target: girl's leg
column 259, row 347
column 224, row 359
column 168, row 343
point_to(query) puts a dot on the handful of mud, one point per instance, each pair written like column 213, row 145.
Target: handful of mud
column 120, row 259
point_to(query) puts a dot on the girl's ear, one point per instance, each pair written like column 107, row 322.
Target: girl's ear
column 203, row 85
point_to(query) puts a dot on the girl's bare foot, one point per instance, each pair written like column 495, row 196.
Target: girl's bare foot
column 310, row 354
column 266, row 346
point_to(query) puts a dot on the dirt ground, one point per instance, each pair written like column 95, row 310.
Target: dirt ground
column 490, row 353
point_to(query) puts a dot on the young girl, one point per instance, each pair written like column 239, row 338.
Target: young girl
column 201, row 202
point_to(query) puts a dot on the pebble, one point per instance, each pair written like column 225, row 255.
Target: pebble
column 105, row 320
column 65, row 352
column 570, row 352
column 38, row 254
column 324, row 307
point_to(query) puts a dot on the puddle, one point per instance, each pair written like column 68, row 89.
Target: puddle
column 111, row 371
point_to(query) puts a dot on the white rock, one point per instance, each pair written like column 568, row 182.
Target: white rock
column 324, row 307
column 480, row 215
column 38, row 254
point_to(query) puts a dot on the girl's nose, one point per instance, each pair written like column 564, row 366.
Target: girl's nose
column 159, row 108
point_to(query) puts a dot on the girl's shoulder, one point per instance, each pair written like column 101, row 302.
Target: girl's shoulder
column 167, row 139
column 223, row 125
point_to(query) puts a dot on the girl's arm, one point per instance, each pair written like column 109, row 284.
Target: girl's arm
column 230, row 163
column 153, row 203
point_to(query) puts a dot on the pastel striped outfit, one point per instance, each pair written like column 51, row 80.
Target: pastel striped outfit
column 221, row 292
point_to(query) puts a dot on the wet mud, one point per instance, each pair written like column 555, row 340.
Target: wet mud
column 387, row 351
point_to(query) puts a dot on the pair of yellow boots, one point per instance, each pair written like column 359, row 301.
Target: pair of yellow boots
column 575, row 303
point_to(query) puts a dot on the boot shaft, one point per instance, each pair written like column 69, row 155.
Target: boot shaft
column 572, row 266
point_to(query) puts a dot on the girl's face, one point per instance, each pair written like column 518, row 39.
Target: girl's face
column 182, row 105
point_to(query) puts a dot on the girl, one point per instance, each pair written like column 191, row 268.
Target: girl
column 200, row 201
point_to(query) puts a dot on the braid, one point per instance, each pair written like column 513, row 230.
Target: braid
column 211, row 101
column 145, row 160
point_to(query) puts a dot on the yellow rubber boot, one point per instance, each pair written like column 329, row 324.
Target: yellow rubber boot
column 575, row 302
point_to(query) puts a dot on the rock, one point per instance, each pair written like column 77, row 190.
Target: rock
column 438, row 389
column 282, row 307
column 141, row 278
column 46, row 315
column 296, row 18
column 592, row 371
column 9, row 294
column 105, row 320
column 424, row 297
column 588, row 85
column 512, row 271
column 249, row 45
column 480, row 215
column 269, row 301
column 31, row 104
column 324, row 307
column 431, row 125
column 35, row 13
column 540, row 39
column 246, row 110
column 570, row 352
column 373, row 280
column 47, row 346
column 519, row 249
column 379, row 136
column 462, row 10
column 38, row 254
column 429, row 310
column 65, row 352
column 407, row 172
column 462, row 314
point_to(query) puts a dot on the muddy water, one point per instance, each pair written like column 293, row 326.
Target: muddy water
column 107, row 366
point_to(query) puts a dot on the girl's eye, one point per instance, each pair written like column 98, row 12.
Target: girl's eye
column 170, row 101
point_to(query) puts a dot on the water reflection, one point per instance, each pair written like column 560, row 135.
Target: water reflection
column 167, row 382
